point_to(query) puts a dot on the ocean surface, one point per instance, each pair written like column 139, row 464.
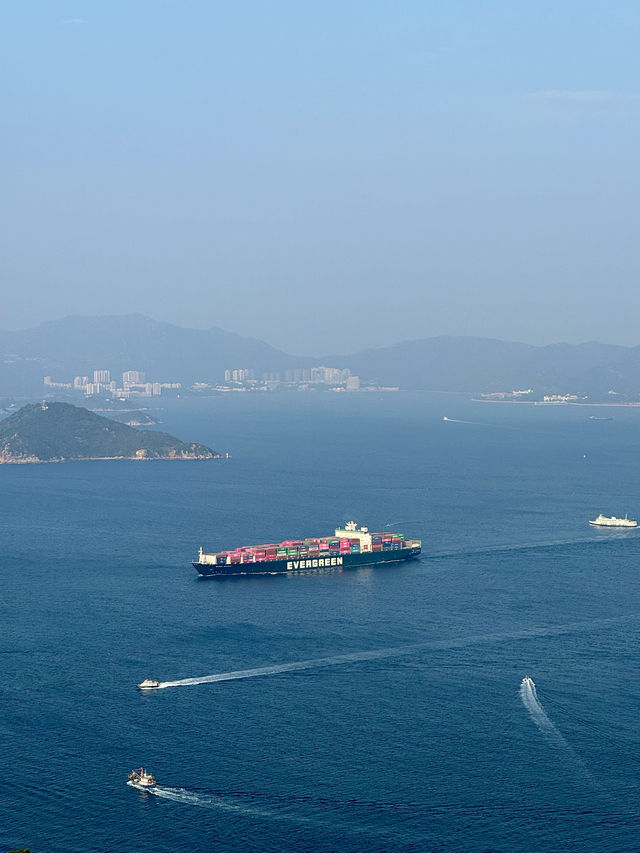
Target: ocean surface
column 422, row 738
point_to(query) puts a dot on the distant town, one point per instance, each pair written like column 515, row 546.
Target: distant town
column 134, row 383
column 529, row 396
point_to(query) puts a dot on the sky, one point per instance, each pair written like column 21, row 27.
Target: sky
column 326, row 176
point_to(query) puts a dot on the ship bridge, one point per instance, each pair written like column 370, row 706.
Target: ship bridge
column 351, row 531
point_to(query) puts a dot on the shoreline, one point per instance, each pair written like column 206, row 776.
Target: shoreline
column 35, row 461
column 560, row 403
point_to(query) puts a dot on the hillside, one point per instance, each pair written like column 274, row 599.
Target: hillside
column 57, row 432
column 78, row 345
column 482, row 364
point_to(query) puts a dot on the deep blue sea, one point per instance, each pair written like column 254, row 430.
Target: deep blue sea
column 427, row 745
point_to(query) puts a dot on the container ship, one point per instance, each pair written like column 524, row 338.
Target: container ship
column 349, row 547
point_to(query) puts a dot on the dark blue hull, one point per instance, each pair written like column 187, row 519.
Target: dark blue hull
column 307, row 564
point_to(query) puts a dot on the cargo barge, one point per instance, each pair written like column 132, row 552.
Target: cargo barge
column 349, row 547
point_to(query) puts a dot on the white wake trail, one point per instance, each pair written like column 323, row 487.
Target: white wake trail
column 206, row 801
column 529, row 697
column 399, row 651
column 227, row 804
column 294, row 666
column 469, row 423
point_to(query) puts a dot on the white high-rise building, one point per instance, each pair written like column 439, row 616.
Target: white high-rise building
column 132, row 377
column 353, row 383
column 101, row 377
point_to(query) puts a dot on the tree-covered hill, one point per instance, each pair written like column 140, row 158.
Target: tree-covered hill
column 55, row 432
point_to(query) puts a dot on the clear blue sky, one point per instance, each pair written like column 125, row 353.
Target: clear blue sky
column 326, row 176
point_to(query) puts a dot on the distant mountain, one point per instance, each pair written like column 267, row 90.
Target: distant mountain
column 79, row 345
column 76, row 346
column 57, row 432
column 481, row 364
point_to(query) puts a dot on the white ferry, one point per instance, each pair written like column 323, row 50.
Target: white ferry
column 148, row 684
column 612, row 521
column 142, row 779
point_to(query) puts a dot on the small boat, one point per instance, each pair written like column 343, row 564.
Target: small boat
column 612, row 521
column 527, row 682
column 142, row 779
column 148, row 684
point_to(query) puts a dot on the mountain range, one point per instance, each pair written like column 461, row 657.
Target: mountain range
column 77, row 345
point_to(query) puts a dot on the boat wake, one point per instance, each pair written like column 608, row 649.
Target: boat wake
column 529, row 697
column 601, row 537
column 284, row 811
column 207, row 801
column 472, row 423
column 293, row 666
column 403, row 651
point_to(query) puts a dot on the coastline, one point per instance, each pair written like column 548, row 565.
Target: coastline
column 560, row 403
column 34, row 460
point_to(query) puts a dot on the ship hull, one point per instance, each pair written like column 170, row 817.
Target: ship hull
column 307, row 564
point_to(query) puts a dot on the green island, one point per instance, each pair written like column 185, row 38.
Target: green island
column 60, row 432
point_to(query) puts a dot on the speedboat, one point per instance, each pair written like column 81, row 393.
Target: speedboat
column 142, row 779
column 527, row 682
column 148, row 684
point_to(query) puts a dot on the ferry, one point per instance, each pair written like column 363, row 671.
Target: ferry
column 148, row 684
column 612, row 521
column 350, row 546
column 142, row 779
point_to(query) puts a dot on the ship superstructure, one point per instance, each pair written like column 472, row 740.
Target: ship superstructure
column 141, row 778
column 349, row 547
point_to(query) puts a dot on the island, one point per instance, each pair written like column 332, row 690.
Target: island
column 60, row 432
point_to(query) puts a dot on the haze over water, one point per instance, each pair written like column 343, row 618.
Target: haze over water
column 378, row 708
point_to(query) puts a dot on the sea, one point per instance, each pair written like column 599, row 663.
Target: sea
column 374, row 710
